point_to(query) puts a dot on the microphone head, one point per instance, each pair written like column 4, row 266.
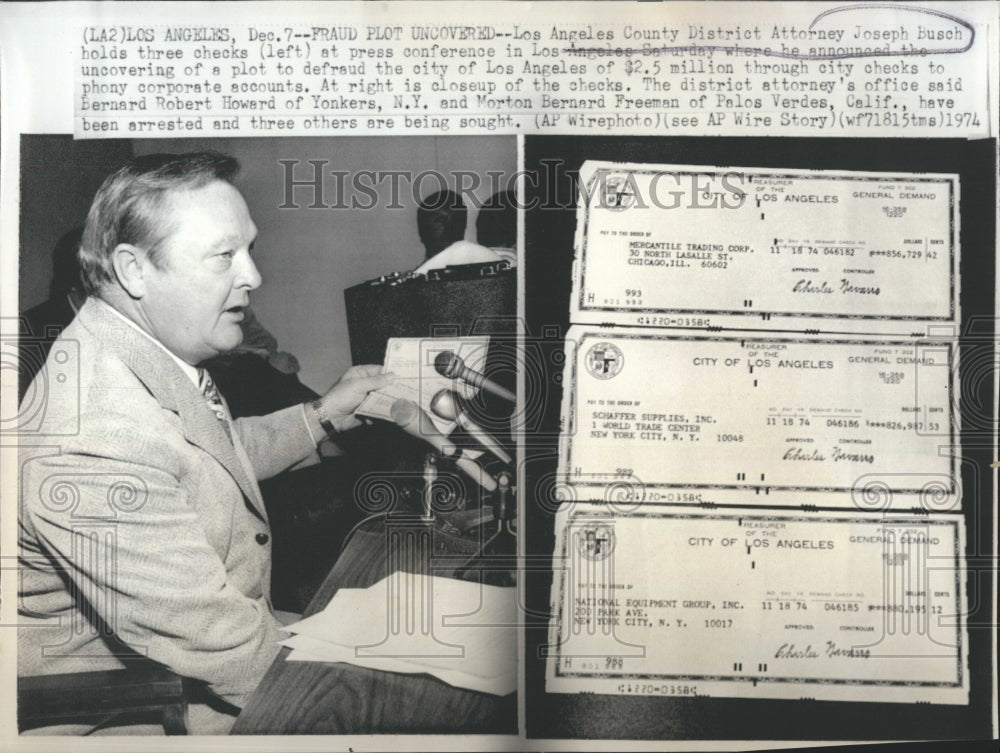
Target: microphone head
column 445, row 405
column 448, row 364
column 403, row 412
column 408, row 416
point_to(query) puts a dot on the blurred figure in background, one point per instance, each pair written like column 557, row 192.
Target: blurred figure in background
column 42, row 324
column 441, row 222
column 496, row 225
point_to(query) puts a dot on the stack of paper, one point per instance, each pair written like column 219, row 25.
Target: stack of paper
column 462, row 633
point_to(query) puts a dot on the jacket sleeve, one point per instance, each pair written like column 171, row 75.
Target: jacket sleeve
column 277, row 442
column 133, row 550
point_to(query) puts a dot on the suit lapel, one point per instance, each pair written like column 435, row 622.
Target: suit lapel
column 203, row 428
column 173, row 390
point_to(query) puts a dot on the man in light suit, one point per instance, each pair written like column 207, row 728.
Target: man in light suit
column 142, row 530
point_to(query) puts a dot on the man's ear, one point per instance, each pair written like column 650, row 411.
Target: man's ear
column 128, row 262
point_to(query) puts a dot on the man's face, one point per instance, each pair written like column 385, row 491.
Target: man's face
column 195, row 298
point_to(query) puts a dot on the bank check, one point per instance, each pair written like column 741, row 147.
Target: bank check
column 826, row 606
column 859, row 424
column 698, row 247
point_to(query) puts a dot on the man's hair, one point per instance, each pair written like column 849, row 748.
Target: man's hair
column 496, row 225
column 441, row 220
column 128, row 207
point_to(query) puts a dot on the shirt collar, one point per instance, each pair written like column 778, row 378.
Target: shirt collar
column 190, row 371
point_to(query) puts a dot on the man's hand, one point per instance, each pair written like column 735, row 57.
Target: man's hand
column 348, row 392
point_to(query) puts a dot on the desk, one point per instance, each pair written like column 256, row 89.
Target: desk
column 333, row 698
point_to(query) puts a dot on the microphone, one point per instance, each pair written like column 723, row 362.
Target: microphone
column 409, row 417
column 451, row 365
column 447, row 405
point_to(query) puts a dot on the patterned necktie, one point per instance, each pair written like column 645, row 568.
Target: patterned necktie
column 211, row 394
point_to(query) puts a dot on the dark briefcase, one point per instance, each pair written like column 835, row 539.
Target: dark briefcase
column 471, row 299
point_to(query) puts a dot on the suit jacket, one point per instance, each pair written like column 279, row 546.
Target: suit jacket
column 142, row 530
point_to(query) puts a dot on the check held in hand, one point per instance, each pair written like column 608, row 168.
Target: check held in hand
column 335, row 411
column 413, row 361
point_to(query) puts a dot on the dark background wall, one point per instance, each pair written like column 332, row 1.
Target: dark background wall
column 59, row 178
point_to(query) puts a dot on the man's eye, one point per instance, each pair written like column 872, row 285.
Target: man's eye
column 227, row 254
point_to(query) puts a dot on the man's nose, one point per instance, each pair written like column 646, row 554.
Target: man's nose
column 249, row 276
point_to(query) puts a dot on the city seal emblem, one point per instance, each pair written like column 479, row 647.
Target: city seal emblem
column 605, row 360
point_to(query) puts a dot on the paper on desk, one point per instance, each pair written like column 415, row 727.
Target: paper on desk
column 411, row 359
column 463, row 633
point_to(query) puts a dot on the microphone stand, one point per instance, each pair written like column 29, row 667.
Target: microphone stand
column 497, row 556
column 430, row 476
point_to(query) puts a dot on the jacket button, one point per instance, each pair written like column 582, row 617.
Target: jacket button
column 262, row 538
